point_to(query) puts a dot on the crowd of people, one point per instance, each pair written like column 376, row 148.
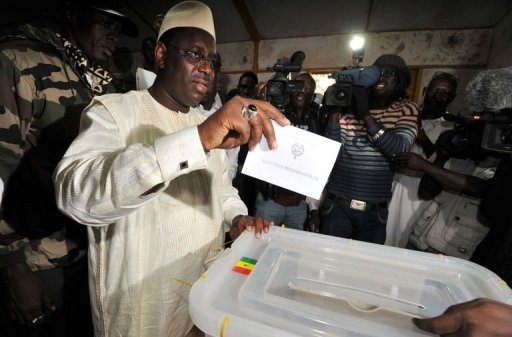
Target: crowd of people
column 114, row 203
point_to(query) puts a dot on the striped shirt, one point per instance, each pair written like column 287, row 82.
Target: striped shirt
column 363, row 170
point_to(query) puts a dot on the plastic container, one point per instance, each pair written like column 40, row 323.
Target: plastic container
column 294, row 283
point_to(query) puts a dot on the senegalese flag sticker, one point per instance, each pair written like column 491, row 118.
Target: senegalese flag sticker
column 244, row 265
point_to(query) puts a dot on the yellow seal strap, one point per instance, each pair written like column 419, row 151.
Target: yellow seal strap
column 189, row 284
column 225, row 322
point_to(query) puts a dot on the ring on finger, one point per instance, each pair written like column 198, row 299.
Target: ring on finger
column 249, row 111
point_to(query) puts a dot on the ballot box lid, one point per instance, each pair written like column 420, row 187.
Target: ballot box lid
column 294, row 283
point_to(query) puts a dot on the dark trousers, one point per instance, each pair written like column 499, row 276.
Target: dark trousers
column 337, row 219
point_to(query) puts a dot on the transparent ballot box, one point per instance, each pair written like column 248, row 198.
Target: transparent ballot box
column 294, row 283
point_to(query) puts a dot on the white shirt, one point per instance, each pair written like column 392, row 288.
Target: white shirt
column 145, row 249
column 405, row 206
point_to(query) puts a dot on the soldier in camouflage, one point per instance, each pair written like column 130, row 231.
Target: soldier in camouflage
column 46, row 79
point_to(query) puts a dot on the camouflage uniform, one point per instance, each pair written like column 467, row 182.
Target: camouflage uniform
column 42, row 96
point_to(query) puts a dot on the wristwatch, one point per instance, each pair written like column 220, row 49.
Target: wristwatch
column 373, row 138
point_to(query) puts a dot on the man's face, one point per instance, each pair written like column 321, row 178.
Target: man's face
column 439, row 94
column 387, row 84
column 97, row 34
column 303, row 99
column 187, row 82
column 148, row 50
column 246, row 86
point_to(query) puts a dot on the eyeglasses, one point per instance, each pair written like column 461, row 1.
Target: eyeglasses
column 195, row 57
column 387, row 73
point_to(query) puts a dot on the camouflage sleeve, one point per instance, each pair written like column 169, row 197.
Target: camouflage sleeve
column 15, row 115
column 12, row 249
column 15, row 118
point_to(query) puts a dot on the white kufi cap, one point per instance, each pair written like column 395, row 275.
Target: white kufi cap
column 193, row 14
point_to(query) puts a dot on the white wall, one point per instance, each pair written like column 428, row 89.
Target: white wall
column 500, row 54
column 462, row 52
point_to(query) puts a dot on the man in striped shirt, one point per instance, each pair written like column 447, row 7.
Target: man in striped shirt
column 379, row 124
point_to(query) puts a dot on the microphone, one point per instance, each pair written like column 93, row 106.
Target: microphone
column 490, row 90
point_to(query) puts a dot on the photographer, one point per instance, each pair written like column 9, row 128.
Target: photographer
column 280, row 205
column 405, row 205
column 488, row 91
column 379, row 124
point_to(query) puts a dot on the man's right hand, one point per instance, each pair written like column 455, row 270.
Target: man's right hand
column 28, row 296
column 227, row 128
column 480, row 317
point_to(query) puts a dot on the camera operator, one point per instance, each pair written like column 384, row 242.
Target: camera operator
column 247, row 84
column 405, row 205
column 489, row 90
column 280, row 205
column 379, row 124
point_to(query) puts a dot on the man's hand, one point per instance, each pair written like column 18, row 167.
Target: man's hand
column 425, row 142
column 360, row 96
column 246, row 222
column 314, row 221
column 480, row 317
column 227, row 128
column 409, row 159
column 261, row 89
column 28, row 297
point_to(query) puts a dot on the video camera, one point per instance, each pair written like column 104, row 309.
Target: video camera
column 340, row 93
column 486, row 130
column 464, row 139
column 279, row 87
column 489, row 93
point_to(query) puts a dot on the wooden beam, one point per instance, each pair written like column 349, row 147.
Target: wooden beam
column 250, row 26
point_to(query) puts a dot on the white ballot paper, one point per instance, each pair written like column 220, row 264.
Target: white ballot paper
column 302, row 162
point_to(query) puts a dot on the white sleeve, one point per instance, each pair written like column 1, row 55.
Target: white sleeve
column 101, row 179
column 232, row 204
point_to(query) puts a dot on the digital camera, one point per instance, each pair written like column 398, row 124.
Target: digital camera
column 279, row 87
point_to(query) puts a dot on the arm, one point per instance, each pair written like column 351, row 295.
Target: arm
column 479, row 317
column 425, row 143
column 429, row 187
column 332, row 129
column 450, row 180
column 313, row 216
column 389, row 141
column 101, row 179
column 399, row 138
column 27, row 296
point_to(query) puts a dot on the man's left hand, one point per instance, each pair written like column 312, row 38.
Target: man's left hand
column 248, row 223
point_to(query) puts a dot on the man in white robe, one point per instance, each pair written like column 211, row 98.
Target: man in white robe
column 406, row 206
column 148, row 175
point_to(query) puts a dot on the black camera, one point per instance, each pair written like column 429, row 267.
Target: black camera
column 471, row 135
column 340, row 93
column 464, row 139
column 279, row 87
column 497, row 134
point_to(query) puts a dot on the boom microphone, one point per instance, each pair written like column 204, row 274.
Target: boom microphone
column 490, row 90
